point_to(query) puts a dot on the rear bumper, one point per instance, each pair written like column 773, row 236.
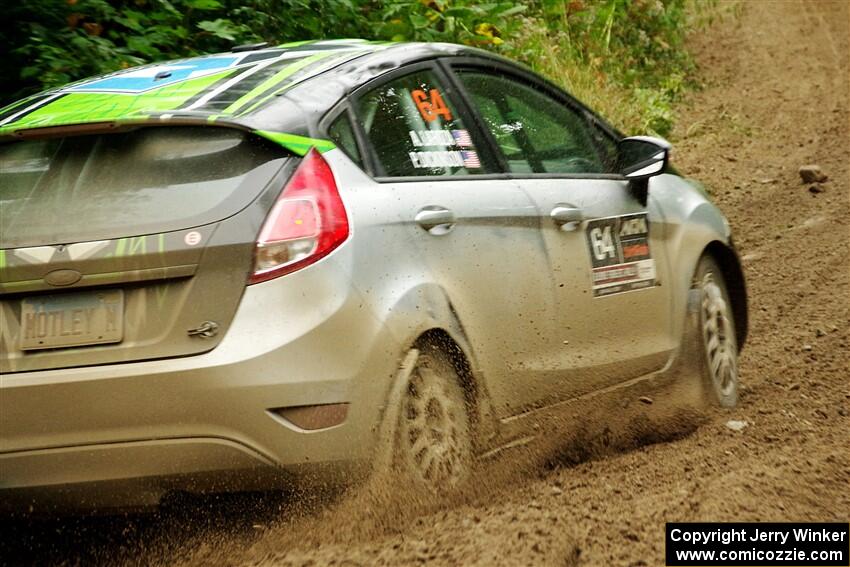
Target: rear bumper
column 130, row 474
column 203, row 422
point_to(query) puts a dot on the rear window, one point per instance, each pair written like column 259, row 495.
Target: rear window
column 99, row 187
column 414, row 129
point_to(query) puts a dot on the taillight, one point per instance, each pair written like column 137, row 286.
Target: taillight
column 307, row 222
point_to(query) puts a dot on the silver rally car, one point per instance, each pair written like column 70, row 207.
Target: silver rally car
column 259, row 267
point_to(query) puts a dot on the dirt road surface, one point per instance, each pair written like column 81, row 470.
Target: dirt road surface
column 776, row 97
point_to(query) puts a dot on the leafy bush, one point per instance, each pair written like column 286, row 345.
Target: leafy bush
column 482, row 25
column 625, row 57
column 58, row 41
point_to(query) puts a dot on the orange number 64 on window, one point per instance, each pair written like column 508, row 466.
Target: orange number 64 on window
column 431, row 105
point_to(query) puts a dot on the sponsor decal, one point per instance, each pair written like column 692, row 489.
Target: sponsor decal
column 192, row 238
column 619, row 254
column 155, row 76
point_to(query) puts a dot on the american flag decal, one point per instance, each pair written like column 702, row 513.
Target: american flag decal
column 462, row 138
column 470, row 159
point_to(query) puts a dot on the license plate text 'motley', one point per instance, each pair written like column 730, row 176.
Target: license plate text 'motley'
column 74, row 319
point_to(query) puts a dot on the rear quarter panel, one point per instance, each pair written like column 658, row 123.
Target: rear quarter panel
column 397, row 289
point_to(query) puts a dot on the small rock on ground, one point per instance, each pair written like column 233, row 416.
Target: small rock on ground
column 812, row 174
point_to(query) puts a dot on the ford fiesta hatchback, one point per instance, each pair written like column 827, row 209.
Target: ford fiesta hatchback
column 253, row 268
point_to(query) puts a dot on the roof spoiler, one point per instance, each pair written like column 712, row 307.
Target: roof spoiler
column 295, row 143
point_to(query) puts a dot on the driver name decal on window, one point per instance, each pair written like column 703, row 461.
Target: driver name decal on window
column 458, row 138
column 465, row 157
column 620, row 254
column 462, row 158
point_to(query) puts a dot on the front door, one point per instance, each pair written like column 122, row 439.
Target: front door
column 605, row 249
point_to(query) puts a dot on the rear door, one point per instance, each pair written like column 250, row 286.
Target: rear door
column 477, row 233
column 119, row 247
column 605, row 247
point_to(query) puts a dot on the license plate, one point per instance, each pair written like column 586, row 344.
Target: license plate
column 72, row 319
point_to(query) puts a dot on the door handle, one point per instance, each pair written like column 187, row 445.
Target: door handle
column 436, row 220
column 567, row 216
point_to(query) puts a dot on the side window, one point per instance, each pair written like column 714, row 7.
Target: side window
column 536, row 133
column 414, row 129
column 607, row 144
column 342, row 134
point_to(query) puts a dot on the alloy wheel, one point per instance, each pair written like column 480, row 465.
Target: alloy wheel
column 434, row 432
column 718, row 338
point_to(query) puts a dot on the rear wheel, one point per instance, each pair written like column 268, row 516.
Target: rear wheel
column 434, row 443
column 716, row 330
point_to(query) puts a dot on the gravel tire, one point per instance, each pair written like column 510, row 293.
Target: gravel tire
column 434, row 443
column 716, row 332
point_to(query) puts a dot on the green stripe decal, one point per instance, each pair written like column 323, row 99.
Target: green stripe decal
column 79, row 108
column 272, row 81
column 295, row 43
column 19, row 105
column 299, row 145
column 330, row 59
column 71, row 105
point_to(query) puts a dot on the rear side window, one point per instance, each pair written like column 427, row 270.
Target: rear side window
column 144, row 181
column 414, row 129
column 342, row 134
column 536, row 133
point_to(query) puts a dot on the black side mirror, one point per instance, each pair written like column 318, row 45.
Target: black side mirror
column 642, row 157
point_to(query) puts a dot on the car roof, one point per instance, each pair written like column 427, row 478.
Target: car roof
column 262, row 89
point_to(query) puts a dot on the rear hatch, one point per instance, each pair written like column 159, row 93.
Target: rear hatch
column 128, row 246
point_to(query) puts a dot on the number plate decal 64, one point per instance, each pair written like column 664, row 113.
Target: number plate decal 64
column 72, row 319
column 619, row 254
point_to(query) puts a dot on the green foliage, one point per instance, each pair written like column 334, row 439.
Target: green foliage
column 625, row 57
column 461, row 21
column 57, row 41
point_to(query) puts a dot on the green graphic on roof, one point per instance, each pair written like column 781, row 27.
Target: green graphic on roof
column 223, row 87
column 296, row 144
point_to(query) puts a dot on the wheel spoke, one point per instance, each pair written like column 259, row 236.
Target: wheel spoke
column 716, row 361
column 713, row 345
